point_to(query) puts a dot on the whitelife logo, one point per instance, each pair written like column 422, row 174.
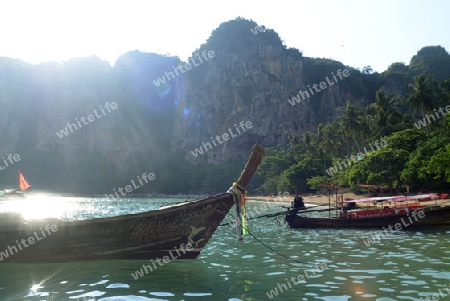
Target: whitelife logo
column 436, row 297
column 11, row 158
column 11, row 250
column 281, row 287
column 146, row 177
column 248, row 125
column 166, row 77
column 424, row 123
column 322, row 86
column 257, row 28
column 398, row 226
column 342, row 165
column 166, row 259
column 90, row 118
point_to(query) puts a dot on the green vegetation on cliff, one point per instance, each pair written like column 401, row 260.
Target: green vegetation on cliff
column 414, row 151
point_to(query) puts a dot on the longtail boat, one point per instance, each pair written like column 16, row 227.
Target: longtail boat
column 396, row 211
column 9, row 193
column 179, row 231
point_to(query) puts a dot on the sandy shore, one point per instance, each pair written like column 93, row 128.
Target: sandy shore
column 323, row 199
column 318, row 200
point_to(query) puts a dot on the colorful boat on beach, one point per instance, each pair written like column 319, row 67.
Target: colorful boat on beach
column 181, row 230
column 410, row 211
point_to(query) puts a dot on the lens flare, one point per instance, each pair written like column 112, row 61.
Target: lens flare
column 163, row 90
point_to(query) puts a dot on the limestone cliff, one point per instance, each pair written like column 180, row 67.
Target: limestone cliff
column 250, row 78
column 44, row 119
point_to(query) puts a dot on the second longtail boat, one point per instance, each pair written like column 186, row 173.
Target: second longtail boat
column 396, row 211
column 20, row 192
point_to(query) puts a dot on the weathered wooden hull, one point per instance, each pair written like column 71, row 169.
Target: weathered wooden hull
column 147, row 235
column 434, row 216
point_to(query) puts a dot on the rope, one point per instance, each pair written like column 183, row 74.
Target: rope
column 281, row 213
column 269, row 247
column 265, row 215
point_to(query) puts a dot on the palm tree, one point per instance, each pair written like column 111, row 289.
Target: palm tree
column 296, row 148
column 303, row 145
column 421, row 98
column 329, row 139
column 328, row 142
column 445, row 91
column 386, row 117
column 353, row 123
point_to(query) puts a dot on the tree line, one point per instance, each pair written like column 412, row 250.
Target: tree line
column 416, row 131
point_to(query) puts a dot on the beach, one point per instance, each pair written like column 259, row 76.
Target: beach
column 315, row 199
column 323, row 199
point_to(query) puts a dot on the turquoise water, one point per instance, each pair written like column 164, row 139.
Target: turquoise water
column 336, row 264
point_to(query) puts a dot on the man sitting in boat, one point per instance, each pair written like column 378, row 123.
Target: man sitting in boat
column 349, row 206
column 297, row 205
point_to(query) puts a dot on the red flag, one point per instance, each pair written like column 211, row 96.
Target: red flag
column 23, row 184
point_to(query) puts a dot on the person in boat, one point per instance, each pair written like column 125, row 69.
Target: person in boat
column 349, row 206
column 297, row 205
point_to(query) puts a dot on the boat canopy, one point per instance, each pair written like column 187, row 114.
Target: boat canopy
column 397, row 198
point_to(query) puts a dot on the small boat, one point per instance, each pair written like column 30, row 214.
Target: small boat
column 23, row 185
column 177, row 231
column 399, row 214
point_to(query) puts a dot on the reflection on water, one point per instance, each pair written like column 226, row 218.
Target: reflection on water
column 40, row 206
column 37, row 206
column 405, row 266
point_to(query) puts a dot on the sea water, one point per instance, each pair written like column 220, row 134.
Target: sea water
column 273, row 263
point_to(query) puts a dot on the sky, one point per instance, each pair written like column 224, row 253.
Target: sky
column 356, row 32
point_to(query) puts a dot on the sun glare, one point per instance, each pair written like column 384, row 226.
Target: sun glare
column 35, row 287
column 41, row 206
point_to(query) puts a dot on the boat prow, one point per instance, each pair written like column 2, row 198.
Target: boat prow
column 178, row 231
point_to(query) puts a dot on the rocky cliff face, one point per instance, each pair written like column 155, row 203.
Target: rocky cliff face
column 252, row 80
column 59, row 118
column 251, row 86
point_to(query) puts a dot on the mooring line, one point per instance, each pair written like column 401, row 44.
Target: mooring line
column 267, row 246
column 265, row 215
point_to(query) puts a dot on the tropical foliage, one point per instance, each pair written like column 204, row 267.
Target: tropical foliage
column 411, row 153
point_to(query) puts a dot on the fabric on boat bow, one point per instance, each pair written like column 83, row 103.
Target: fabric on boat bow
column 239, row 196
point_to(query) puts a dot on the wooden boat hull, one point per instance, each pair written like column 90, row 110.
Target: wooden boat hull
column 434, row 216
column 147, row 235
